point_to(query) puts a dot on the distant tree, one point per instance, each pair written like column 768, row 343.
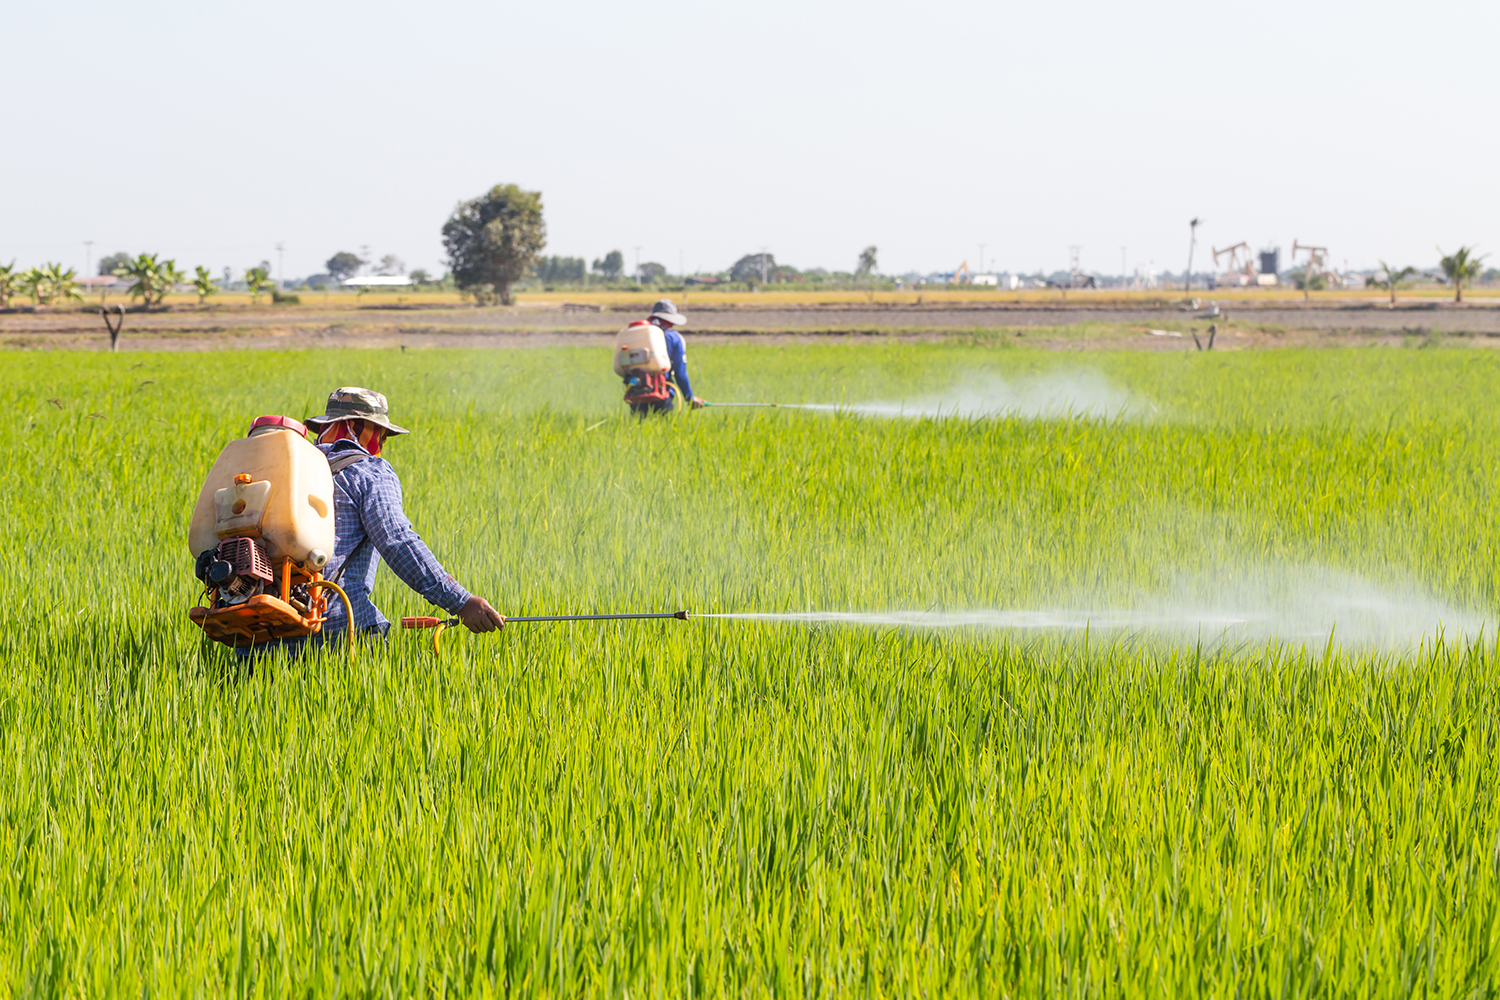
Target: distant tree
column 9, row 279
column 1459, row 267
column 419, row 276
column 49, row 283
column 867, row 263
column 258, row 280
column 343, row 265
column 30, row 282
column 112, row 263
column 1390, row 279
column 650, row 272
column 559, row 270
column 493, row 240
column 390, row 264
column 151, row 279
column 203, row 283
column 1490, row 276
column 753, row 267
column 611, row 266
column 1303, row 283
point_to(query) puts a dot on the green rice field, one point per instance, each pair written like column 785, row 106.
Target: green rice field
column 1178, row 679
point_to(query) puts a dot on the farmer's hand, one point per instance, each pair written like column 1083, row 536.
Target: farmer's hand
column 478, row 616
column 698, row 404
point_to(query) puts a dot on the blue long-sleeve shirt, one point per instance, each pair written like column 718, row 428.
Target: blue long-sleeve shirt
column 677, row 354
column 369, row 525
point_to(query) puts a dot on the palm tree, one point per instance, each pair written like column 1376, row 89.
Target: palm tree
column 9, row 280
column 203, row 283
column 1392, row 279
column 1459, row 267
column 257, row 278
column 33, row 283
column 146, row 273
column 63, row 283
column 48, row 283
column 168, row 278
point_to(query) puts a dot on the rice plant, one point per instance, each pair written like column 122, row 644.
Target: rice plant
column 727, row 807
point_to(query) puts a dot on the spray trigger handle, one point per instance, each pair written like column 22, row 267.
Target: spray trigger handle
column 425, row 622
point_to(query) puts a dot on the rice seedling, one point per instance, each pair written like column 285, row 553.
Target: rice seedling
column 748, row 807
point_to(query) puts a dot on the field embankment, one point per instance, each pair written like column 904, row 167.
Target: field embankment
column 1083, row 324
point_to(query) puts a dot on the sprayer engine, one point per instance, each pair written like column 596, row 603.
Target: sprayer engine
column 238, row 569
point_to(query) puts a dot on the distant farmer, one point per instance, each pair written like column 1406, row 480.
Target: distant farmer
column 370, row 525
column 665, row 315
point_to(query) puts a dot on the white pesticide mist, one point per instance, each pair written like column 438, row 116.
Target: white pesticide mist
column 1036, row 397
column 1305, row 604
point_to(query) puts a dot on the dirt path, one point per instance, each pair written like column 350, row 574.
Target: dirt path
column 1245, row 325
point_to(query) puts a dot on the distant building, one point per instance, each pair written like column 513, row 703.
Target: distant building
column 701, row 279
column 103, row 282
column 1270, row 264
column 377, row 281
column 992, row 280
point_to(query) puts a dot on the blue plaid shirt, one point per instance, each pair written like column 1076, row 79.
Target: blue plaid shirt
column 369, row 525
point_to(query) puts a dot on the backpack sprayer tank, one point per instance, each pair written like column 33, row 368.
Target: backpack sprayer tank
column 261, row 533
column 641, row 360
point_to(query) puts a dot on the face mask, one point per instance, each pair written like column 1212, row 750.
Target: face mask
column 369, row 436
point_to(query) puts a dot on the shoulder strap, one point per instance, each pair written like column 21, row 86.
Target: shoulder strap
column 337, row 465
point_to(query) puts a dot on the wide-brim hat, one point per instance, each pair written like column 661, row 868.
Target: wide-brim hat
column 666, row 309
column 353, row 403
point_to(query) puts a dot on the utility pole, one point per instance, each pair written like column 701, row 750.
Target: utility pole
column 88, row 257
column 280, row 270
column 763, row 255
column 637, row 265
column 1192, row 242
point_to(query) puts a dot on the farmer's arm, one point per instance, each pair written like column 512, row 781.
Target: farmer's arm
column 677, row 354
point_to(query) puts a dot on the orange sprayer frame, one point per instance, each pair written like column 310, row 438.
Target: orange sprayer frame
column 263, row 618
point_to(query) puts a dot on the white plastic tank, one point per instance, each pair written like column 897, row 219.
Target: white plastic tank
column 641, row 347
column 274, row 485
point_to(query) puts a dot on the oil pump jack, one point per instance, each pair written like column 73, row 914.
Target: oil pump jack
column 1241, row 267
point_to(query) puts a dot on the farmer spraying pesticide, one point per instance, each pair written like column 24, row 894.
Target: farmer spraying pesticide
column 649, row 356
column 281, row 526
column 370, row 523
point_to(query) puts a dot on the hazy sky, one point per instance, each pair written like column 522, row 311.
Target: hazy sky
column 210, row 132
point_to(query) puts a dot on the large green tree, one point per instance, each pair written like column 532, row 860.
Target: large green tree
column 343, row 265
column 493, row 240
column 1459, row 267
